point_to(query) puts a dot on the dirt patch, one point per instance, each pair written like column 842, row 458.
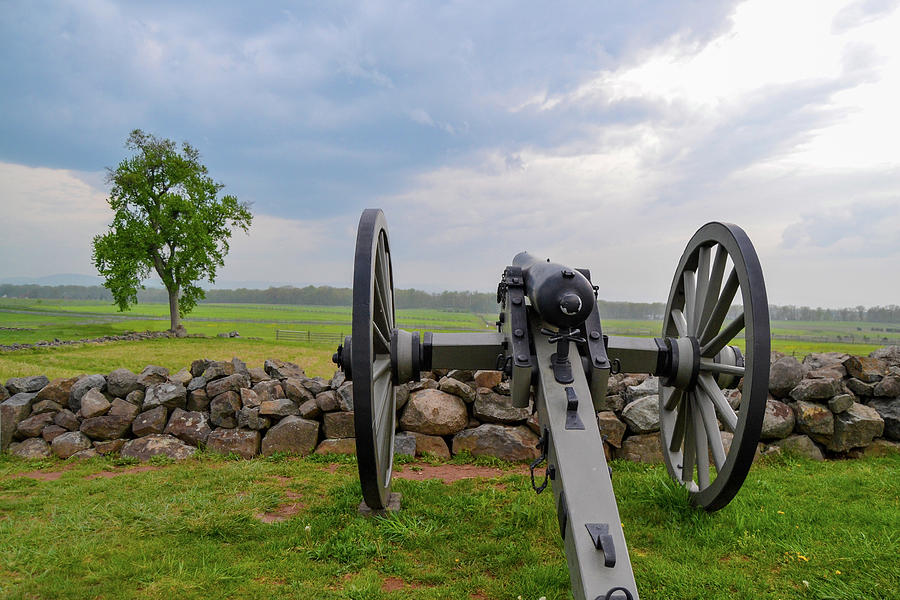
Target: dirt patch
column 394, row 584
column 283, row 511
column 42, row 475
column 109, row 474
column 479, row 595
column 332, row 467
column 451, row 473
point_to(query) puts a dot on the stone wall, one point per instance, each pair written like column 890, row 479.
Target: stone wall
column 829, row 405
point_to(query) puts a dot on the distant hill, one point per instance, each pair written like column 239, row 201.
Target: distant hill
column 58, row 279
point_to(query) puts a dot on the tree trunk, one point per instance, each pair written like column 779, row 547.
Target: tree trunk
column 174, row 317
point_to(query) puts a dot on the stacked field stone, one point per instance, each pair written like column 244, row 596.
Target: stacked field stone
column 828, row 405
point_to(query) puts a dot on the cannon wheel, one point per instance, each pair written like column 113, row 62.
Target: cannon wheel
column 697, row 310
column 370, row 358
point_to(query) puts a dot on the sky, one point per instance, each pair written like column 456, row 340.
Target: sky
column 602, row 134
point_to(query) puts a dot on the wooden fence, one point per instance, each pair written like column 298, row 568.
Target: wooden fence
column 322, row 337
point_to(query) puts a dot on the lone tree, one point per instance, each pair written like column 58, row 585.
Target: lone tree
column 168, row 219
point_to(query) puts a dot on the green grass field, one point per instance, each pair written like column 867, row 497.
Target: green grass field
column 193, row 530
column 30, row 321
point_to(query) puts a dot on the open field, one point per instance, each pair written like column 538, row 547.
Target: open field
column 68, row 361
column 102, row 528
column 29, row 321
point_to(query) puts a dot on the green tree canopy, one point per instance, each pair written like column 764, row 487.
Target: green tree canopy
column 169, row 220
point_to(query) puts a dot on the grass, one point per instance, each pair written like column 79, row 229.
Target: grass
column 68, row 361
column 797, row 530
column 33, row 320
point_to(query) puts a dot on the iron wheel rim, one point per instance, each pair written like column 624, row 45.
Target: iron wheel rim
column 373, row 321
column 698, row 292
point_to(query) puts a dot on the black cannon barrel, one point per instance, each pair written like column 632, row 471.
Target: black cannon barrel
column 561, row 295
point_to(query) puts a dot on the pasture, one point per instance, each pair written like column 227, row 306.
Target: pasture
column 289, row 528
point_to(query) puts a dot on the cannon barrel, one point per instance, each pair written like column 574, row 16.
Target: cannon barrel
column 561, row 295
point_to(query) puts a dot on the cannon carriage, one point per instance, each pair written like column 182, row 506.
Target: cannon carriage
column 551, row 344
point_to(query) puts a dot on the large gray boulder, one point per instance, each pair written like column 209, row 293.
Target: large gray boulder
column 231, row 383
column 281, row 407
column 865, row 368
column 784, row 375
column 889, row 410
column 814, row 420
column 799, row 445
column 150, row 422
column 106, row 427
column 153, row 375
column 841, row 403
column 147, row 447
column 123, row 408
column 223, row 409
column 122, row 382
column 169, row 394
column 198, row 366
column 67, row 420
column 501, row 441
column 344, row 396
column 317, row 385
column 778, row 422
column 457, row 388
column 33, row 425
column 612, row 430
column 68, row 444
column 243, row 442
column 819, row 360
column 293, row 389
column 491, row 407
column 282, row 370
column 293, row 435
column 889, row 387
column 642, row 415
column 328, row 401
column 337, row 446
column 644, row 448
column 271, row 389
column 57, row 390
column 81, row 387
column 649, row 387
column 855, row 428
column 249, row 418
column 339, row 425
column 434, row 412
column 217, row 370
column 19, row 385
column 433, row 445
column 13, row 410
column 860, row 388
column 32, row 448
column 889, row 354
column 94, row 404
column 810, row 390
column 191, row 427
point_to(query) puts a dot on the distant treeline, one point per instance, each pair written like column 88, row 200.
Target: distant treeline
column 478, row 302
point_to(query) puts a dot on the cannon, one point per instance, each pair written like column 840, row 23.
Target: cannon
column 551, row 344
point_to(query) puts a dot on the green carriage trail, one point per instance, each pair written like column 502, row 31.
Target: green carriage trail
column 284, row 527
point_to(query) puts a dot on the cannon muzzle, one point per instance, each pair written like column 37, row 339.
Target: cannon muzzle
column 561, row 295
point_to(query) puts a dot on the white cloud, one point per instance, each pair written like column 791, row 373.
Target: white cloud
column 762, row 127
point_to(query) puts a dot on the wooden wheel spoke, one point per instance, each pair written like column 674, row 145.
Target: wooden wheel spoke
column 720, row 310
column 714, row 438
column 678, row 430
column 680, row 322
column 702, row 450
column 709, row 366
column 674, row 399
column 385, row 342
column 714, row 287
column 689, row 457
column 702, row 285
column 715, row 395
column 690, row 298
column 721, row 340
